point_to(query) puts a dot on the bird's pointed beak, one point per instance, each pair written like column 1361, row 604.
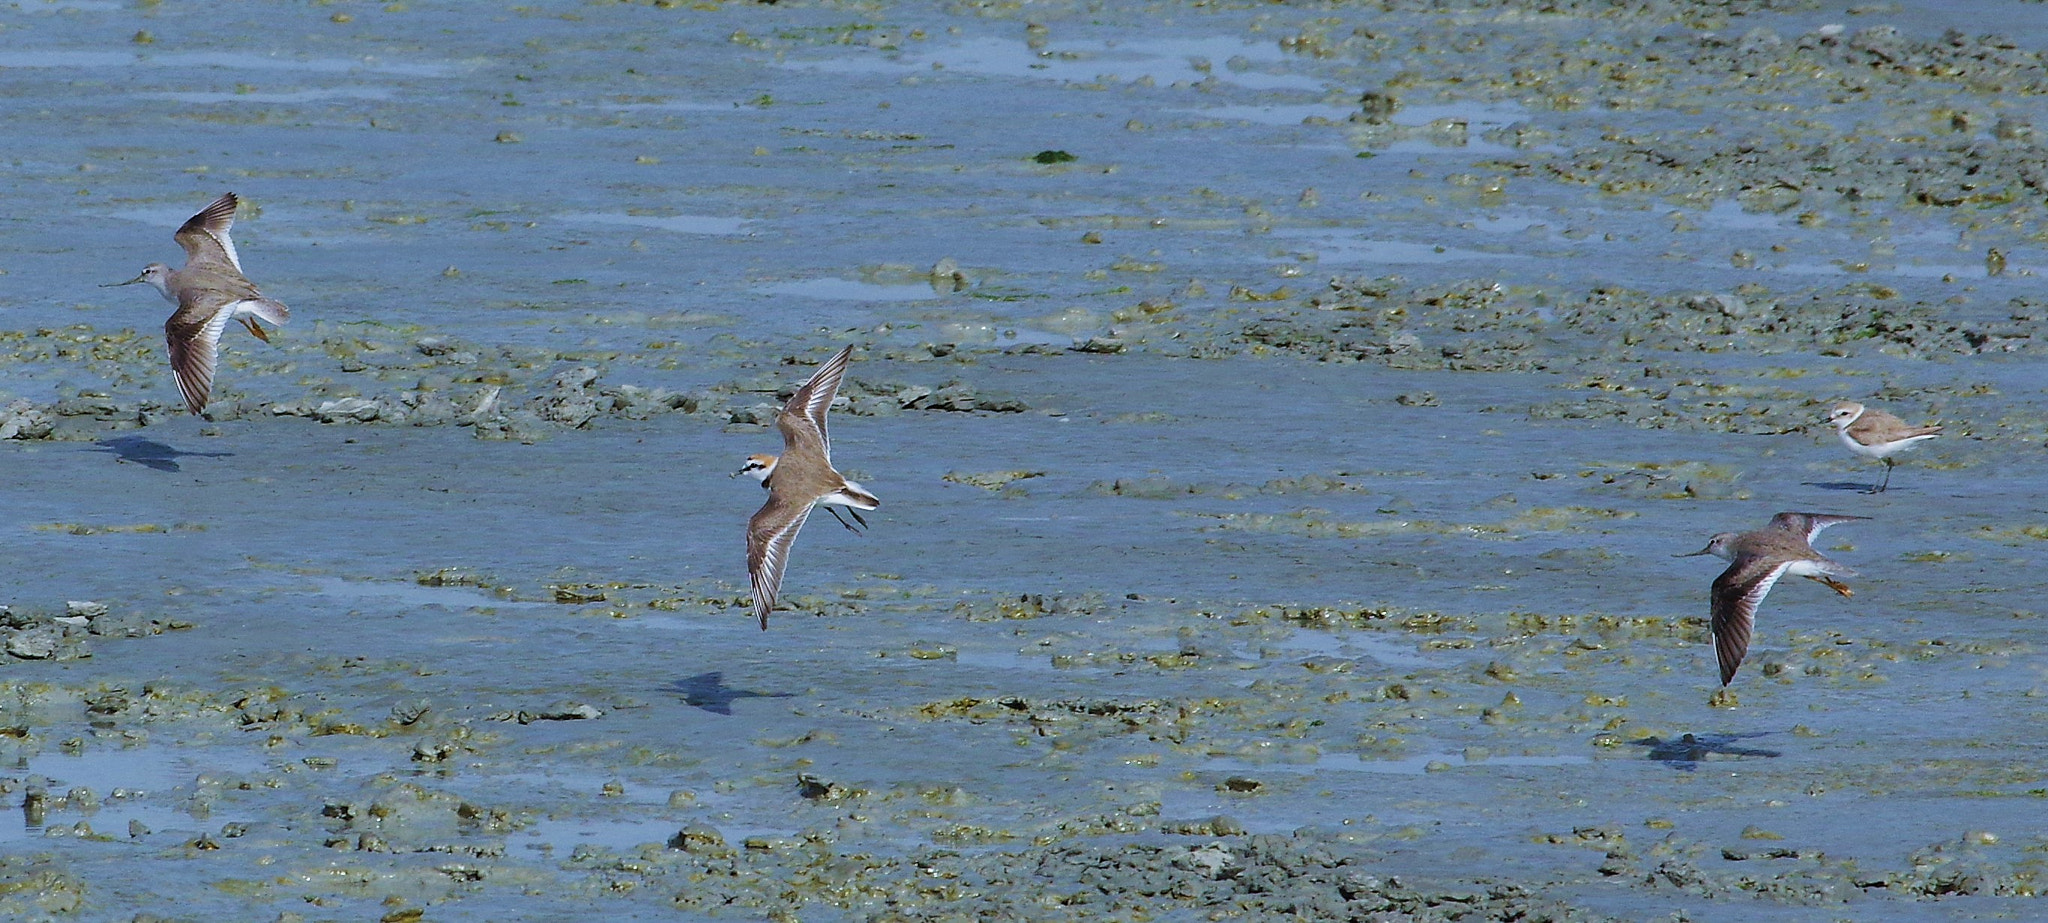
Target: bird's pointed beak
column 1694, row 554
column 139, row 278
column 735, row 474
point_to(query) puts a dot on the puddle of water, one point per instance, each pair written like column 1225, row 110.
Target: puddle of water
column 1388, row 652
column 110, row 819
column 1470, row 144
column 250, row 61
column 648, row 817
column 1338, row 247
column 1274, row 115
column 1418, row 765
column 684, row 106
column 1914, row 270
column 849, row 290
column 1351, row 644
column 627, row 835
column 454, row 597
column 106, row 768
column 1478, row 117
column 1806, row 269
column 1935, row 270
column 681, row 224
column 1729, row 215
column 1500, row 224
column 1407, row 765
column 1023, row 336
column 284, row 96
column 1005, row 660
column 80, row 6
column 972, row 332
column 616, row 835
column 1164, row 60
column 95, row 60
column 671, row 621
column 147, row 772
column 63, row 58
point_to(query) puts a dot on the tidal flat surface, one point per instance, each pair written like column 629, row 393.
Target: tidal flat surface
column 1284, row 417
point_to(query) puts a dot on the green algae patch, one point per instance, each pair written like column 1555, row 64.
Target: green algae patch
column 989, row 480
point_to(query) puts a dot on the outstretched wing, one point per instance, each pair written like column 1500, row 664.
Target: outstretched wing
column 802, row 420
column 1808, row 525
column 205, row 235
column 1737, row 593
column 769, row 536
column 193, row 334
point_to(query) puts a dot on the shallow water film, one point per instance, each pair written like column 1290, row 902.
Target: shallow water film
column 1285, row 418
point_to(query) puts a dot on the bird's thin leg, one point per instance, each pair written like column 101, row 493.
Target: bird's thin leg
column 253, row 328
column 849, row 526
column 1835, row 585
column 1888, row 465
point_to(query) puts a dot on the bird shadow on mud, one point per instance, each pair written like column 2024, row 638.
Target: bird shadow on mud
column 1856, row 486
column 149, row 453
column 1687, row 751
column 708, row 691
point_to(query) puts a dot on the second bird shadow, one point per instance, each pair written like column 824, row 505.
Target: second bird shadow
column 1687, row 751
column 708, row 691
column 149, row 453
column 1858, row 487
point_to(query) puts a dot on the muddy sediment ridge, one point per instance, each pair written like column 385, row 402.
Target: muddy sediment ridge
column 1285, row 419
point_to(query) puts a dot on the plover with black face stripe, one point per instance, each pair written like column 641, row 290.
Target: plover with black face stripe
column 1756, row 561
column 798, row 481
column 1872, row 433
column 209, row 291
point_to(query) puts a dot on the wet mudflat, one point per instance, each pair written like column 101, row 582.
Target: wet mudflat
column 1283, row 417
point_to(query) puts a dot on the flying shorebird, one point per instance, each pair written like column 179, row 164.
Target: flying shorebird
column 1873, row 433
column 799, row 480
column 209, row 291
column 1756, row 561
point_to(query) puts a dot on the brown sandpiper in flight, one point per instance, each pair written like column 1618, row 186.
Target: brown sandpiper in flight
column 209, row 291
column 1756, row 561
